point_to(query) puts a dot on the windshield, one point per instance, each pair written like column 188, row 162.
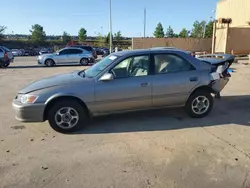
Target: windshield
column 100, row 66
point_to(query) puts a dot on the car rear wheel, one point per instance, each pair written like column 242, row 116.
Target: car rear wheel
column 67, row 116
column 4, row 64
column 84, row 61
column 49, row 63
column 199, row 104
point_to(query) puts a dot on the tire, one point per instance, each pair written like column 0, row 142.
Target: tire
column 49, row 62
column 68, row 125
column 4, row 64
column 84, row 61
column 199, row 104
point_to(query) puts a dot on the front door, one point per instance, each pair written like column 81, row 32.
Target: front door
column 174, row 79
column 129, row 90
column 62, row 57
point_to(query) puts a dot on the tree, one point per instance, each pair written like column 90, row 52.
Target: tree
column 37, row 34
column 82, row 34
column 108, row 37
column 159, row 32
column 66, row 37
column 170, row 32
column 2, row 29
column 184, row 33
column 209, row 30
column 118, row 36
column 198, row 29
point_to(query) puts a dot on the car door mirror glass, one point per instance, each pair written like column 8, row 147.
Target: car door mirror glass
column 107, row 77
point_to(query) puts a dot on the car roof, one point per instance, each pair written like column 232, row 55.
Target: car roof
column 149, row 51
column 71, row 47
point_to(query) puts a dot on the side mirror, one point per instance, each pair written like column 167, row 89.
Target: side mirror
column 57, row 53
column 107, row 77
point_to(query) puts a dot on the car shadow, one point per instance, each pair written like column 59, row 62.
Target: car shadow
column 227, row 110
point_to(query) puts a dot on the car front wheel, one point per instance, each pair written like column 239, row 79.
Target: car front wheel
column 199, row 104
column 67, row 116
column 84, row 61
column 49, row 63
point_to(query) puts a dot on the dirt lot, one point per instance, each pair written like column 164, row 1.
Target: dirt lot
column 163, row 148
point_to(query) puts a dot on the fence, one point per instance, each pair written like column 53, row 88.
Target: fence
column 190, row 44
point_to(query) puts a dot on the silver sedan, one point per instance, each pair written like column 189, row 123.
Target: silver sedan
column 66, row 56
column 124, row 81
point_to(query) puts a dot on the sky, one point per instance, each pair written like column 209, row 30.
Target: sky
column 57, row 16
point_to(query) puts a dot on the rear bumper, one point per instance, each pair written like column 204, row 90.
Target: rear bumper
column 219, row 85
column 28, row 113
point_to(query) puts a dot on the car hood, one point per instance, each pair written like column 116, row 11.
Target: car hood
column 53, row 81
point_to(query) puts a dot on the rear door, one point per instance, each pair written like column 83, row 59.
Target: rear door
column 174, row 79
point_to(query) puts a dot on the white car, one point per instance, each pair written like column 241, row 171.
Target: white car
column 66, row 56
column 16, row 52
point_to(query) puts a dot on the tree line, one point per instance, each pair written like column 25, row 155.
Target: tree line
column 38, row 35
column 196, row 32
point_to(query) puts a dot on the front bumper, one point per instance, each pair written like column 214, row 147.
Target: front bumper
column 28, row 112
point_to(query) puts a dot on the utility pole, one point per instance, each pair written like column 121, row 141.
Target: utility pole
column 145, row 17
column 110, row 27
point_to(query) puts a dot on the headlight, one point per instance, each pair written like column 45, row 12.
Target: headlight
column 28, row 99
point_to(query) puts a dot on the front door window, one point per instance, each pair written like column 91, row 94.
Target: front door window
column 131, row 67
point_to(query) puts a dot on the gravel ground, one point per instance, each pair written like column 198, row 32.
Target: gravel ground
column 163, row 148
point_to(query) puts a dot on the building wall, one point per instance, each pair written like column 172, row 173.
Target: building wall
column 238, row 10
column 239, row 40
column 239, row 30
column 190, row 44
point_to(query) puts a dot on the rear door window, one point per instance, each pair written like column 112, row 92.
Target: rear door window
column 74, row 51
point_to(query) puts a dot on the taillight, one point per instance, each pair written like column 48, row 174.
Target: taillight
column 6, row 55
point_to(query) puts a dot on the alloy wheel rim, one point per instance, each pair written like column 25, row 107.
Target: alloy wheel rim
column 84, row 62
column 200, row 105
column 66, row 118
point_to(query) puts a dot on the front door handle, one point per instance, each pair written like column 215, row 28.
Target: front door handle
column 144, row 84
column 193, row 79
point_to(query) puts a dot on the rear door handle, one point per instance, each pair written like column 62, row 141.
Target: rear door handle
column 144, row 84
column 193, row 79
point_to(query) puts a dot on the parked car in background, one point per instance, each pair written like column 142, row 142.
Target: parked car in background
column 106, row 52
column 16, row 52
column 99, row 51
column 6, row 57
column 123, row 81
column 69, row 55
column 45, row 51
column 30, row 52
column 88, row 48
column 22, row 52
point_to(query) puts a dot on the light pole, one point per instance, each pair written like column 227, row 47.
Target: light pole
column 110, row 27
column 145, row 17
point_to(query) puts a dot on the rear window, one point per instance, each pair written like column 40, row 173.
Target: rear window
column 5, row 49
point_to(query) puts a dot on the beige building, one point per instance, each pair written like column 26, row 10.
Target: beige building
column 233, row 37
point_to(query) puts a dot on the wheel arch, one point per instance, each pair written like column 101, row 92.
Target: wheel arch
column 49, row 58
column 204, row 88
column 54, row 99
